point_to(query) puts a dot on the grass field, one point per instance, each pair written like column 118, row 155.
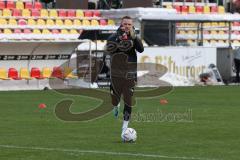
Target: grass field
column 212, row 132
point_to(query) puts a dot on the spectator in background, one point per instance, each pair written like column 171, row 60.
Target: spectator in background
column 108, row 4
column 237, row 64
column 48, row 3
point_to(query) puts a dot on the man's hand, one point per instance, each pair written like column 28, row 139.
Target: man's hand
column 132, row 34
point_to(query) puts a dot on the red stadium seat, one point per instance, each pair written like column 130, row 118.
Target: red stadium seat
column 22, row 22
column 96, row 13
column 16, row 12
column 178, row 8
column 236, row 23
column 2, row 4
column 38, row 5
column 55, row 31
column 36, row 73
column 57, row 73
column 10, row 4
column 35, row 13
column 28, row 5
column 71, row 13
column 184, row 9
column 17, row 31
column 199, row 9
column 13, row 74
column 103, row 22
column 214, row 9
column 62, row 13
column 236, row 32
column 88, row 13
column 27, row 31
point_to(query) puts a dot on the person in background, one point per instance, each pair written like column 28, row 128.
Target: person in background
column 237, row 64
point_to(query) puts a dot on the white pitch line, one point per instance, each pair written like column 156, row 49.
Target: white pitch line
column 103, row 152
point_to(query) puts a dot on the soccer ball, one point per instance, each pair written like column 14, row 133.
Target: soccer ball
column 129, row 135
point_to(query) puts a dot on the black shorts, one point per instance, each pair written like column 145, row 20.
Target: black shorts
column 122, row 86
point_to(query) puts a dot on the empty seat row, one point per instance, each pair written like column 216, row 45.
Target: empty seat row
column 206, row 24
column 49, row 13
column 39, row 31
column 198, row 9
column 36, row 73
column 20, row 5
column 204, row 32
column 57, row 22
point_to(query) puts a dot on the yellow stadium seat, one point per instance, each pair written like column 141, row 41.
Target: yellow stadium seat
column 7, row 13
column 7, row 31
column 169, row 7
column 111, row 22
column 36, row 31
column 64, row 31
column 26, row 13
column 53, row 13
column 12, row 21
column 214, row 24
column 46, row 31
column 213, row 42
column 213, row 32
column 191, row 32
column 191, row 24
column 24, row 74
column 191, row 42
column 44, row 13
column 19, row 5
column 68, row 22
column 85, row 22
column 3, row 21
column 3, row 74
column 31, row 22
column 207, row 24
column 77, row 22
column 221, row 41
column 73, row 31
column 68, row 73
column 94, row 22
column 221, row 32
column 50, row 22
column 205, row 42
column 236, row 42
column 192, row 10
column 182, row 32
column 221, row 9
column 41, row 22
column 206, row 10
column 59, row 22
column 79, row 13
column 46, row 72
column 222, row 24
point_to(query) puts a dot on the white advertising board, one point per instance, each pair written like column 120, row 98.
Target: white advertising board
column 184, row 64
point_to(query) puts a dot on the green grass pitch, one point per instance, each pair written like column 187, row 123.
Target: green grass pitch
column 211, row 131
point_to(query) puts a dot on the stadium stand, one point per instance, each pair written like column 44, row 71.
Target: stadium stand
column 34, row 17
column 35, row 73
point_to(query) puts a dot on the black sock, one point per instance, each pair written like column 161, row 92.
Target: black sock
column 127, row 112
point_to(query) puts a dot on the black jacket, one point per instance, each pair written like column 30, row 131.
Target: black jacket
column 137, row 46
column 119, row 68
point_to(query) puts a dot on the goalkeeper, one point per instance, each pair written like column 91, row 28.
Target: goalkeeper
column 122, row 47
